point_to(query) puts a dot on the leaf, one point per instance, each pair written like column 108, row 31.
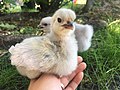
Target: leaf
column 10, row 1
column 7, row 26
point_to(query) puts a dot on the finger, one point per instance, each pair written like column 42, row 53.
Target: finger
column 75, row 82
column 81, row 67
column 80, row 59
column 65, row 79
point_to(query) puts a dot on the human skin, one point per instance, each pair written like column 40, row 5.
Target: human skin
column 52, row 82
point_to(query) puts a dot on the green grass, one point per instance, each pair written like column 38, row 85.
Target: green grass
column 9, row 77
column 103, row 58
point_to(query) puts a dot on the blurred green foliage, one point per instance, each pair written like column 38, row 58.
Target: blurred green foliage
column 8, row 6
column 7, row 26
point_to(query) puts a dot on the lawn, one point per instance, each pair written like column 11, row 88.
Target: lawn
column 103, row 60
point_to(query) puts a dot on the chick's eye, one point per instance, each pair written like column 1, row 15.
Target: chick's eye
column 59, row 20
column 45, row 24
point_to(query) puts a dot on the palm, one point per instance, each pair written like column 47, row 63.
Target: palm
column 69, row 82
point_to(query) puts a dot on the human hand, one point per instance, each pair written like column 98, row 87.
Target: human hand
column 51, row 82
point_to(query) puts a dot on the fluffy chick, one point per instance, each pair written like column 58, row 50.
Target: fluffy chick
column 54, row 53
column 45, row 24
column 83, row 34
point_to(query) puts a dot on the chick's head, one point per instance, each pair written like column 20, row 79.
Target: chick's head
column 45, row 24
column 62, row 21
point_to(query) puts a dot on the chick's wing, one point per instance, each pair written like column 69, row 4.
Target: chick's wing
column 36, row 53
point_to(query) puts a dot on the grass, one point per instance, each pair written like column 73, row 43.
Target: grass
column 9, row 77
column 103, row 58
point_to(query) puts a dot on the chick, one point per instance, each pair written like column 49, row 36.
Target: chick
column 55, row 53
column 45, row 24
column 83, row 33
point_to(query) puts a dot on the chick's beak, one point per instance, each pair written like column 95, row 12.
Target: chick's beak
column 40, row 26
column 69, row 25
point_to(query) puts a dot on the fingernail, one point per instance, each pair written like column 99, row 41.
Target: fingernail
column 79, row 57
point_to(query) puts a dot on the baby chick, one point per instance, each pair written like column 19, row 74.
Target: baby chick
column 45, row 24
column 54, row 53
column 83, row 33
